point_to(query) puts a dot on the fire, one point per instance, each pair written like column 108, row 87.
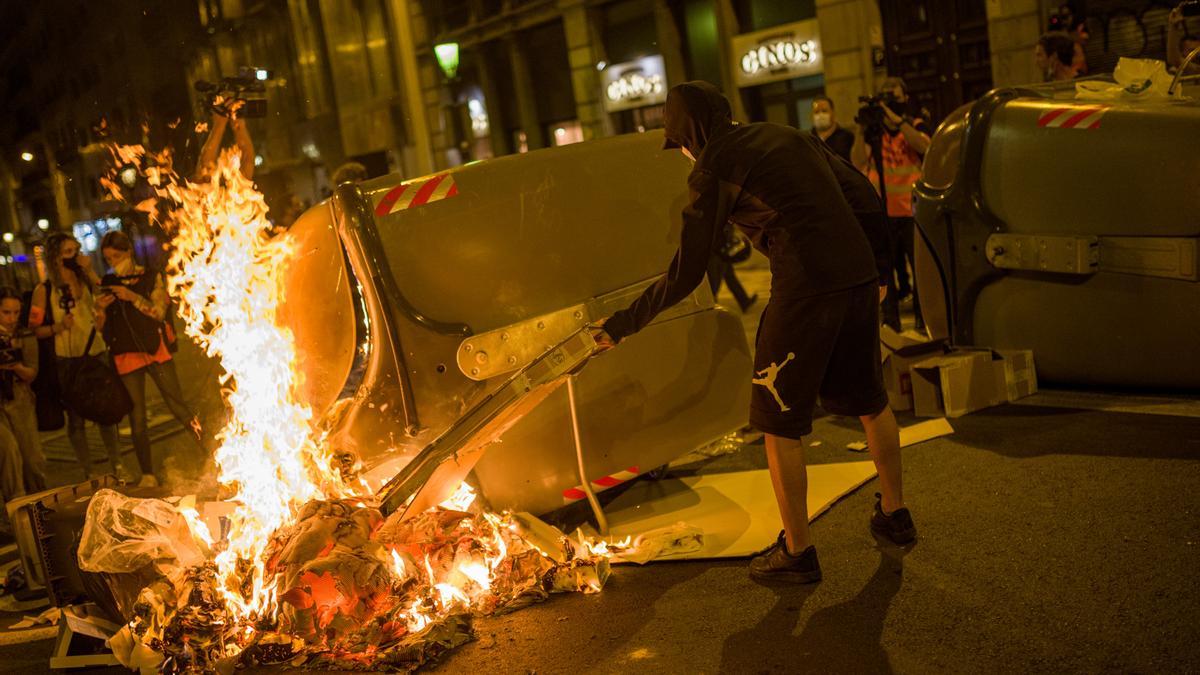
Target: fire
column 461, row 500
column 454, row 560
column 398, row 565
column 224, row 272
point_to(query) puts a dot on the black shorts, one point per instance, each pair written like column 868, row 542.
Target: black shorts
column 824, row 346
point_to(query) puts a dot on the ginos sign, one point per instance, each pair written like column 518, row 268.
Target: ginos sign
column 779, row 54
column 634, row 84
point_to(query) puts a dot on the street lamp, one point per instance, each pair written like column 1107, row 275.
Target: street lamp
column 447, row 58
column 447, row 54
column 8, row 237
column 43, row 224
column 128, row 175
column 27, row 156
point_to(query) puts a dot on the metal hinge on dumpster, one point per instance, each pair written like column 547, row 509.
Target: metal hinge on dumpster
column 434, row 473
column 1061, row 254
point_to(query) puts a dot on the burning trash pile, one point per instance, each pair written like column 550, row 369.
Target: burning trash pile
column 352, row 589
column 294, row 564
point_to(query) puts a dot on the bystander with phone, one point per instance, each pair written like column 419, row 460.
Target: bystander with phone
column 133, row 305
column 63, row 307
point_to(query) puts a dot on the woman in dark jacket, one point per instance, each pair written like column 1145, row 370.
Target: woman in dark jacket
column 134, row 303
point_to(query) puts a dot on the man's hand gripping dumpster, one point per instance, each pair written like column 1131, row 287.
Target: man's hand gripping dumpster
column 819, row 223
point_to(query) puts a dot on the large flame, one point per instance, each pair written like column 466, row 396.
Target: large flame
column 225, row 272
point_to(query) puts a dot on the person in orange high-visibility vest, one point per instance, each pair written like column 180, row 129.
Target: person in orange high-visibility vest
column 904, row 142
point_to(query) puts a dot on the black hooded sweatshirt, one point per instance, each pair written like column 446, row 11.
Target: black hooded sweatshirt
column 810, row 212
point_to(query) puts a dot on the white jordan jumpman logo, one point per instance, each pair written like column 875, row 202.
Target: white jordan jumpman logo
column 766, row 377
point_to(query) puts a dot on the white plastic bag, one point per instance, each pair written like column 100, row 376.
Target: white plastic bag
column 1136, row 79
column 125, row 534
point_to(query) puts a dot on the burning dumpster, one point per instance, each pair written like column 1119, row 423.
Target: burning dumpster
column 412, row 301
column 1067, row 227
column 397, row 338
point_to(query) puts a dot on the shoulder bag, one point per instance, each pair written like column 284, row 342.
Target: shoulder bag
column 93, row 389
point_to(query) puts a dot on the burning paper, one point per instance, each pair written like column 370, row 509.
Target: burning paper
column 356, row 591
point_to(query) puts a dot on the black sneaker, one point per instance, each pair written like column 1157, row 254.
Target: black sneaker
column 898, row 527
column 776, row 564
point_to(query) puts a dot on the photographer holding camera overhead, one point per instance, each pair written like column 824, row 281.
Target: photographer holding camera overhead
column 230, row 102
column 22, row 464
column 890, row 141
column 64, row 307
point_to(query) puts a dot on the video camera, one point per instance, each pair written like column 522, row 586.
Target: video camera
column 11, row 349
column 66, row 299
column 249, row 87
column 9, row 353
column 871, row 114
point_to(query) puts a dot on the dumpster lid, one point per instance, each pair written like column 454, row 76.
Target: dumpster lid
column 437, row 470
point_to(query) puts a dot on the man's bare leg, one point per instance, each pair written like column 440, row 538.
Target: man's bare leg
column 883, row 440
column 785, row 457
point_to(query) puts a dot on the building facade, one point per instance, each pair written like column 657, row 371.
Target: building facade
column 535, row 73
column 79, row 75
column 339, row 88
column 413, row 86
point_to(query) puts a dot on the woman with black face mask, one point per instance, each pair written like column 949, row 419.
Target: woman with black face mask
column 64, row 308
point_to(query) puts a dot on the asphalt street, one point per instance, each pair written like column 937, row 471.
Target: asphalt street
column 1052, row 539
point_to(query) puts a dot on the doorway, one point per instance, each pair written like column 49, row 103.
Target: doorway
column 940, row 48
column 788, row 102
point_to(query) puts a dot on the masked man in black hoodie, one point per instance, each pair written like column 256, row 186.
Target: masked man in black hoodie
column 820, row 223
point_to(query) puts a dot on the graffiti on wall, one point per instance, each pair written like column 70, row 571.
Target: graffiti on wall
column 1133, row 29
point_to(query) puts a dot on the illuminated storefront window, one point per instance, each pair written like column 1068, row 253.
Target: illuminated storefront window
column 566, row 133
column 90, row 232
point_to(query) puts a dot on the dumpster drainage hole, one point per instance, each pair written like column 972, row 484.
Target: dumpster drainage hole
column 441, row 367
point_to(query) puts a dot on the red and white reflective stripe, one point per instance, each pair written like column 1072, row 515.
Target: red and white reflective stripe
column 416, row 193
column 603, row 483
column 1073, row 117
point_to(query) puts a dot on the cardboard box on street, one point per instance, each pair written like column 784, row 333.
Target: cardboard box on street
column 1014, row 374
column 953, row 384
column 900, row 352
